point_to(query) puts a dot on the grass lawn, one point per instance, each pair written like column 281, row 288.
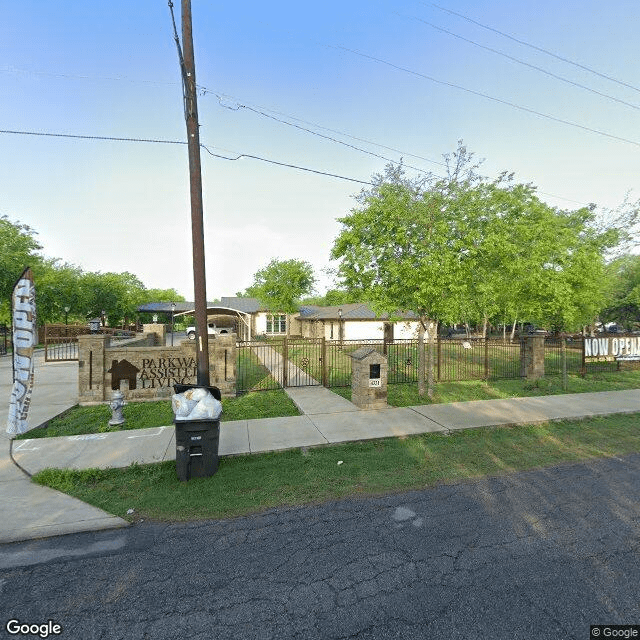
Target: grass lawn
column 252, row 483
column 276, row 403
column 140, row 415
column 406, row 395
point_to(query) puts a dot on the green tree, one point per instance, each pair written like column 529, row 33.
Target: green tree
column 623, row 303
column 281, row 284
column 534, row 262
column 117, row 294
column 404, row 248
column 57, row 287
column 18, row 250
column 464, row 248
column 333, row 298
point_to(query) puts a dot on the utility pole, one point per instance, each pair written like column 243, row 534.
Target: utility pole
column 197, row 226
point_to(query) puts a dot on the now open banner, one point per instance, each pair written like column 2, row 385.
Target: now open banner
column 610, row 349
column 25, row 338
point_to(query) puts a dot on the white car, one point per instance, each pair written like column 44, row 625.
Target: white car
column 212, row 330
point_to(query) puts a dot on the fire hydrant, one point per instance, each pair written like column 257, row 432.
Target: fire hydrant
column 116, row 404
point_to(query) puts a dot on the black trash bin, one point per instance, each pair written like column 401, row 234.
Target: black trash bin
column 197, row 442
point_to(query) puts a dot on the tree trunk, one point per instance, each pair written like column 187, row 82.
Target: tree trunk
column 484, row 327
column 421, row 359
column 513, row 328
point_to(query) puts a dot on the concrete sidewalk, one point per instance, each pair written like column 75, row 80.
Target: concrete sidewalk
column 32, row 511
column 121, row 448
column 29, row 510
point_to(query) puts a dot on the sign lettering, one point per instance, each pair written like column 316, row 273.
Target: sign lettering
column 23, row 303
column 611, row 349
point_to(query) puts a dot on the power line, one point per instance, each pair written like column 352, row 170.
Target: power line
column 81, row 137
column 71, row 76
column 483, row 95
column 471, row 91
column 215, row 155
column 284, row 164
column 205, row 147
column 238, row 105
column 522, row 62
column 533, row 46
column 320, row 135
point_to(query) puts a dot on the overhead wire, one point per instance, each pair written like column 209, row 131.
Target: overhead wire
column 238, row 106
column 216, row 155
column 182, row 142
column 533, row 46
column 183, row 70
column 75, row 76
column 482, row 95
column 522, row 62
column 85, row 137
column 285, row 164
column 466, row 89
column 353, row 51
column 320, row 135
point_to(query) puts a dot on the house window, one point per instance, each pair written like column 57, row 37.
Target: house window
column 276, row 324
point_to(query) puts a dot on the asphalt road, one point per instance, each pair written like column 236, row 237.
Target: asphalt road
column 541, row 554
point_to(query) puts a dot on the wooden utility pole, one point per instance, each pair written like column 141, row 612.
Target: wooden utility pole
column 197, row 226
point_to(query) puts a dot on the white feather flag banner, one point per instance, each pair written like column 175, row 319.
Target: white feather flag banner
column 25, row 338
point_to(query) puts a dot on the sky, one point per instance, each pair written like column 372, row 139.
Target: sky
column 395, row 78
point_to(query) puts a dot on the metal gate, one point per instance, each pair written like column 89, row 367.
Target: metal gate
column 60, row 349
column 279, row 363
column 61, row 342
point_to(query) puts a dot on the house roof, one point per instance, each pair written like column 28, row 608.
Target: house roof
column 351, row 311
column 246, row 305
column 160, row 307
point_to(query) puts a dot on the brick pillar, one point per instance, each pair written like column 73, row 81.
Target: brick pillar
column 368, row 391
column 222, row 363
column 91, row 367
column 533, row 357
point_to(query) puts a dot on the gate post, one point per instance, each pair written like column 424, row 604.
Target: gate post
column 285, row 363
column 486, row 357
column 91, row 367
column 323, row 358
column 533, row 357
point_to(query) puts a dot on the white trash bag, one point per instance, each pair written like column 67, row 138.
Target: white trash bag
column 181, row 406
column 196, row 404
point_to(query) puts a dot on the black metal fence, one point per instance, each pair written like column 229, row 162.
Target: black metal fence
column 261, row 364
column 61, row 341
column 5, row 339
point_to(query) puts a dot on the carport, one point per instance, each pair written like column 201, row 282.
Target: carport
column 227, row 318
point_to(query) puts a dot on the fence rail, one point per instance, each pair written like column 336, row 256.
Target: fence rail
column 5, row 339
column 61, row 341
column 61, row 349
column 300, row 362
